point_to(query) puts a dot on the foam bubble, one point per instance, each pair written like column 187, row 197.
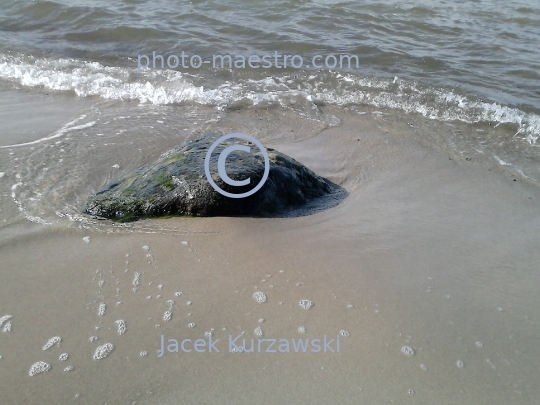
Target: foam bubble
column 145, row 247
column 306, row 304
column 101, row 309
column 423, row 367
column 301, row 329
column 258, row 331
column 63, row 357
column 344, row 333
column 259, row 297
column 191, row 325
column 38, row 368
column 136, row 279
column 52, row 341
column 208, row 333
column 121, row 326
column 167, row 316
column 261, row 320
column 86, row 239
column 7, row 327
column 93, row 338
column 350, row 306
column 407, row 351
column 5, row 318
column 460, row 364
column 479, row 344
column 143, row 353
column 103, row 351
column 68, row 368
column 178, row 293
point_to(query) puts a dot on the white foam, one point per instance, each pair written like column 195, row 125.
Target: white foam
column 259, row 297
column 63, row 357
column 306, row 304
column 258, row 331
column 101, row 309
column 103, row 351
column 52, row 341
column 68, row 369
column 407, row 351
column 191, row 325
column 121, row 324
column 167, row 316
column 38, row 368
column 7, row 327
column 86, row 239
column 344, row 333
column 143, row 354
column 301, row 329
column 5, row 318
column 460, row 364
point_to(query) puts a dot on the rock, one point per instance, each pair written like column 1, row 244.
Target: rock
column 176, row 184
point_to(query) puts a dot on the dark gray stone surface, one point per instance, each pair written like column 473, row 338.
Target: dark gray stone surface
column 176, row 185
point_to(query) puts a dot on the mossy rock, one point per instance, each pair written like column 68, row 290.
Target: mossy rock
column 176, row 185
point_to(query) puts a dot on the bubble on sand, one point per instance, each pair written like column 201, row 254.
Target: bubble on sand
column 136, row 279
column 121, row 326
column 259, row 297
column 7, row 327
column 258, row 331
column 479, row 344
column 344, row 333
column 103, row 351
column 423, row 367
column 160, row 286
column 407, row 351
column 460, row 364
column 101, row 309
column 63, row 357
column 38, row 368
column 208, row 334
column 410, row 392
column 5, row 318
column 52, row 341
column 116, row 166
column 500, row 309
column 282, row 271
column 184, row 242
column 261, row 320
column 86, row 239
column 167, row 316
column 101, row 282
column 188, row 303
column 145, row 247
column 306, row 304
column 350, row 306
column 302, row 329
column 2, row 174
column 93, row 338
column 191, row 325
column 68, row 368
column 178, row 293
column 143, row 353
column 149, row 297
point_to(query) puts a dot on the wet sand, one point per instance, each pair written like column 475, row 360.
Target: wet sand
column 429, row 251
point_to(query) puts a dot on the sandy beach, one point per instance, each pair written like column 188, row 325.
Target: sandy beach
column 431, row 251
